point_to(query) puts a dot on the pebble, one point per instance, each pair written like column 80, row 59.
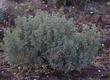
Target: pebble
column 102, row 45
column 99, row 70
column 19, row 67
column 108, row 3
column 105, row 29
column 14, row 73
column 26, row 78
column 2, row 71
column 102, row 75
column 91, row 12
column 47, row 76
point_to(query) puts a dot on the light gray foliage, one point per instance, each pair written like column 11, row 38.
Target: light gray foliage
column 52, row 38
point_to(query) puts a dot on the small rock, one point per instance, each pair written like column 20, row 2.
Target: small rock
column 99, row 70
column 108, row 3
column 91, row 12
column 26, row 78
column 47, row 76
column 19, row 67
column 102, row 45
column 14, row 73
column 105, row 29
column 2, row 71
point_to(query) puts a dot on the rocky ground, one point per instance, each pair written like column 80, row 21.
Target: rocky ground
column 98, row 14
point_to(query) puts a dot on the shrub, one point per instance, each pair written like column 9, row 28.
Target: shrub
column 75, row 51
column 31, row 37
column 52, row 39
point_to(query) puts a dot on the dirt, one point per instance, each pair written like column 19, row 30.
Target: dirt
column 99, row 69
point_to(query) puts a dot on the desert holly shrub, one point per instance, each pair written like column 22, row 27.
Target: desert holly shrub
column 33, row 36
column 75, row 51
column 51, row 39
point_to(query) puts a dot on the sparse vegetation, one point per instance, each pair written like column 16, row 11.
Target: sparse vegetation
column 54, row 39
column 51, row 38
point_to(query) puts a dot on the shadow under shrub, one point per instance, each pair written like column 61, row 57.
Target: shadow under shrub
column 77, row 3
column 51, row 39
